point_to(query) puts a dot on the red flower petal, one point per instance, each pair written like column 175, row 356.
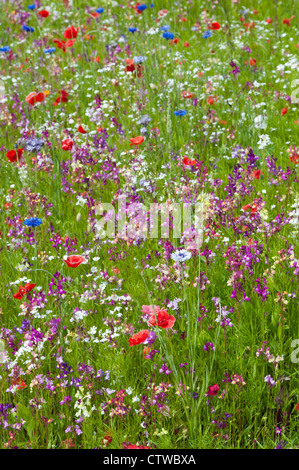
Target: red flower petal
column 74, row 261
column 81, row 130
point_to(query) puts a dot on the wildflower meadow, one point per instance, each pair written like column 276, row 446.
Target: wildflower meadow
column 149, row 224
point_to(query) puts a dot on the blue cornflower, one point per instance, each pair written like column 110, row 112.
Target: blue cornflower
column 5, row 49
column 168, row 35
column 132, row 30
column 33, row 222
column 165, row 28
column 27, row 28
column 207, row 34
column 180, row 112
column 34, row 144
column 50, row 50
column 139, row 59
column 99, row 10
column 141, row 7
column 144, row 120
column 179, row 256
column 152, row 5
column 143, row 131
column 31, row 7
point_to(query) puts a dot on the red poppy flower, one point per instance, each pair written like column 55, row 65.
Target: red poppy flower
column 164, row 320
column 269, row 20
column 67, row 144
column 252, row 61
column 43, row 13
column 297, row 407
column 138, row 338
column 187, row 94
column 210, row 100
column 74, row 261
column 18, row 296
column 186, row 44
column 60, row 44
column 100, row 129
column 188, row 161
column 106, row 440
column 284, row 111
column 294, row 158
column 81, row 130
column 70, row 42
column 20, row 382
column 63, row 98
column 95, row 14
column 23, row 290
column 29, row 287
column 256, row 174
column 70, row 32
column 213, row 389
column 13, row 155
column 215, row 26
column 288, row 21
column 137, row 140
column 34, row 97
column 130, row 67
column 250, row 207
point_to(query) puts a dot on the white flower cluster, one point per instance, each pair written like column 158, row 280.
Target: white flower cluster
column 264, row 141
column 294, row 216
column 84, row 403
